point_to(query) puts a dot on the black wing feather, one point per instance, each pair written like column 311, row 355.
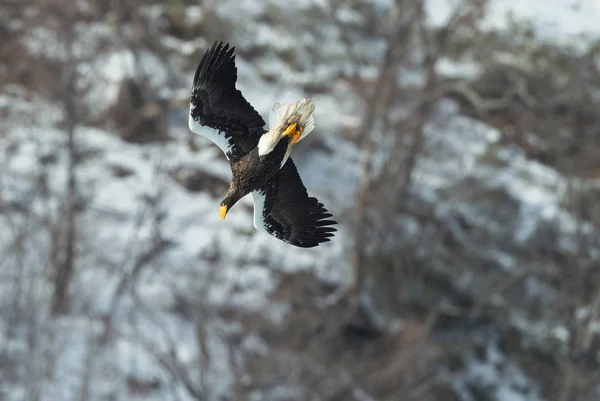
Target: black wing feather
column 216, row 103
column 290, row 214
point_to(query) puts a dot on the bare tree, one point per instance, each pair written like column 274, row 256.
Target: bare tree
column 64, row 264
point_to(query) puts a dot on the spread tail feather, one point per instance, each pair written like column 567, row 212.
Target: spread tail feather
column 281, row 116
column 301, row 111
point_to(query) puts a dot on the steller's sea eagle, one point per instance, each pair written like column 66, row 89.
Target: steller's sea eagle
column 259, row 159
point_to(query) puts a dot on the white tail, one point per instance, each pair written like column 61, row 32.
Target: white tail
column 281, row 116
column 301, row 111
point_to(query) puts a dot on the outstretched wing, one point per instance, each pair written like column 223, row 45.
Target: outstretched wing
column 283, row 209
column 218, row 110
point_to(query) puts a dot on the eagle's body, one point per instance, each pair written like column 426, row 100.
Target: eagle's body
column 259, row 159
column 252, row 170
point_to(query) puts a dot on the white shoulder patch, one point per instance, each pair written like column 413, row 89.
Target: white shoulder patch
column 258, row 198
column 217, row 137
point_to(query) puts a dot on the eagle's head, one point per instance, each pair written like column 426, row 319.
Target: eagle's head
column 294, row 120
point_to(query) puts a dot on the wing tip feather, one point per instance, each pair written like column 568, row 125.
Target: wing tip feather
column 214, row 59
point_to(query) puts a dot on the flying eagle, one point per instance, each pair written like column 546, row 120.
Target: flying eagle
column 259, row 159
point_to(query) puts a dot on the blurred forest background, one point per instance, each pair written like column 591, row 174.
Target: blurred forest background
column 456, row 144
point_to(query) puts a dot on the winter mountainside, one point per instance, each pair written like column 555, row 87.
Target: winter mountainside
column 455, row 144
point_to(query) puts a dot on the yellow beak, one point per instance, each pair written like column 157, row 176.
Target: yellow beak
column 223, row 212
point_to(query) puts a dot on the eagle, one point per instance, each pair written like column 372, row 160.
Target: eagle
column 259, row 159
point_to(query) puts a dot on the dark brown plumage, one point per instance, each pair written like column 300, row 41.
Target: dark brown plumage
column 282, row 206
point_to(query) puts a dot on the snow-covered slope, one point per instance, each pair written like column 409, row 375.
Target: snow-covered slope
column 565, row 21
column 169, row 326
column 130, row 199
